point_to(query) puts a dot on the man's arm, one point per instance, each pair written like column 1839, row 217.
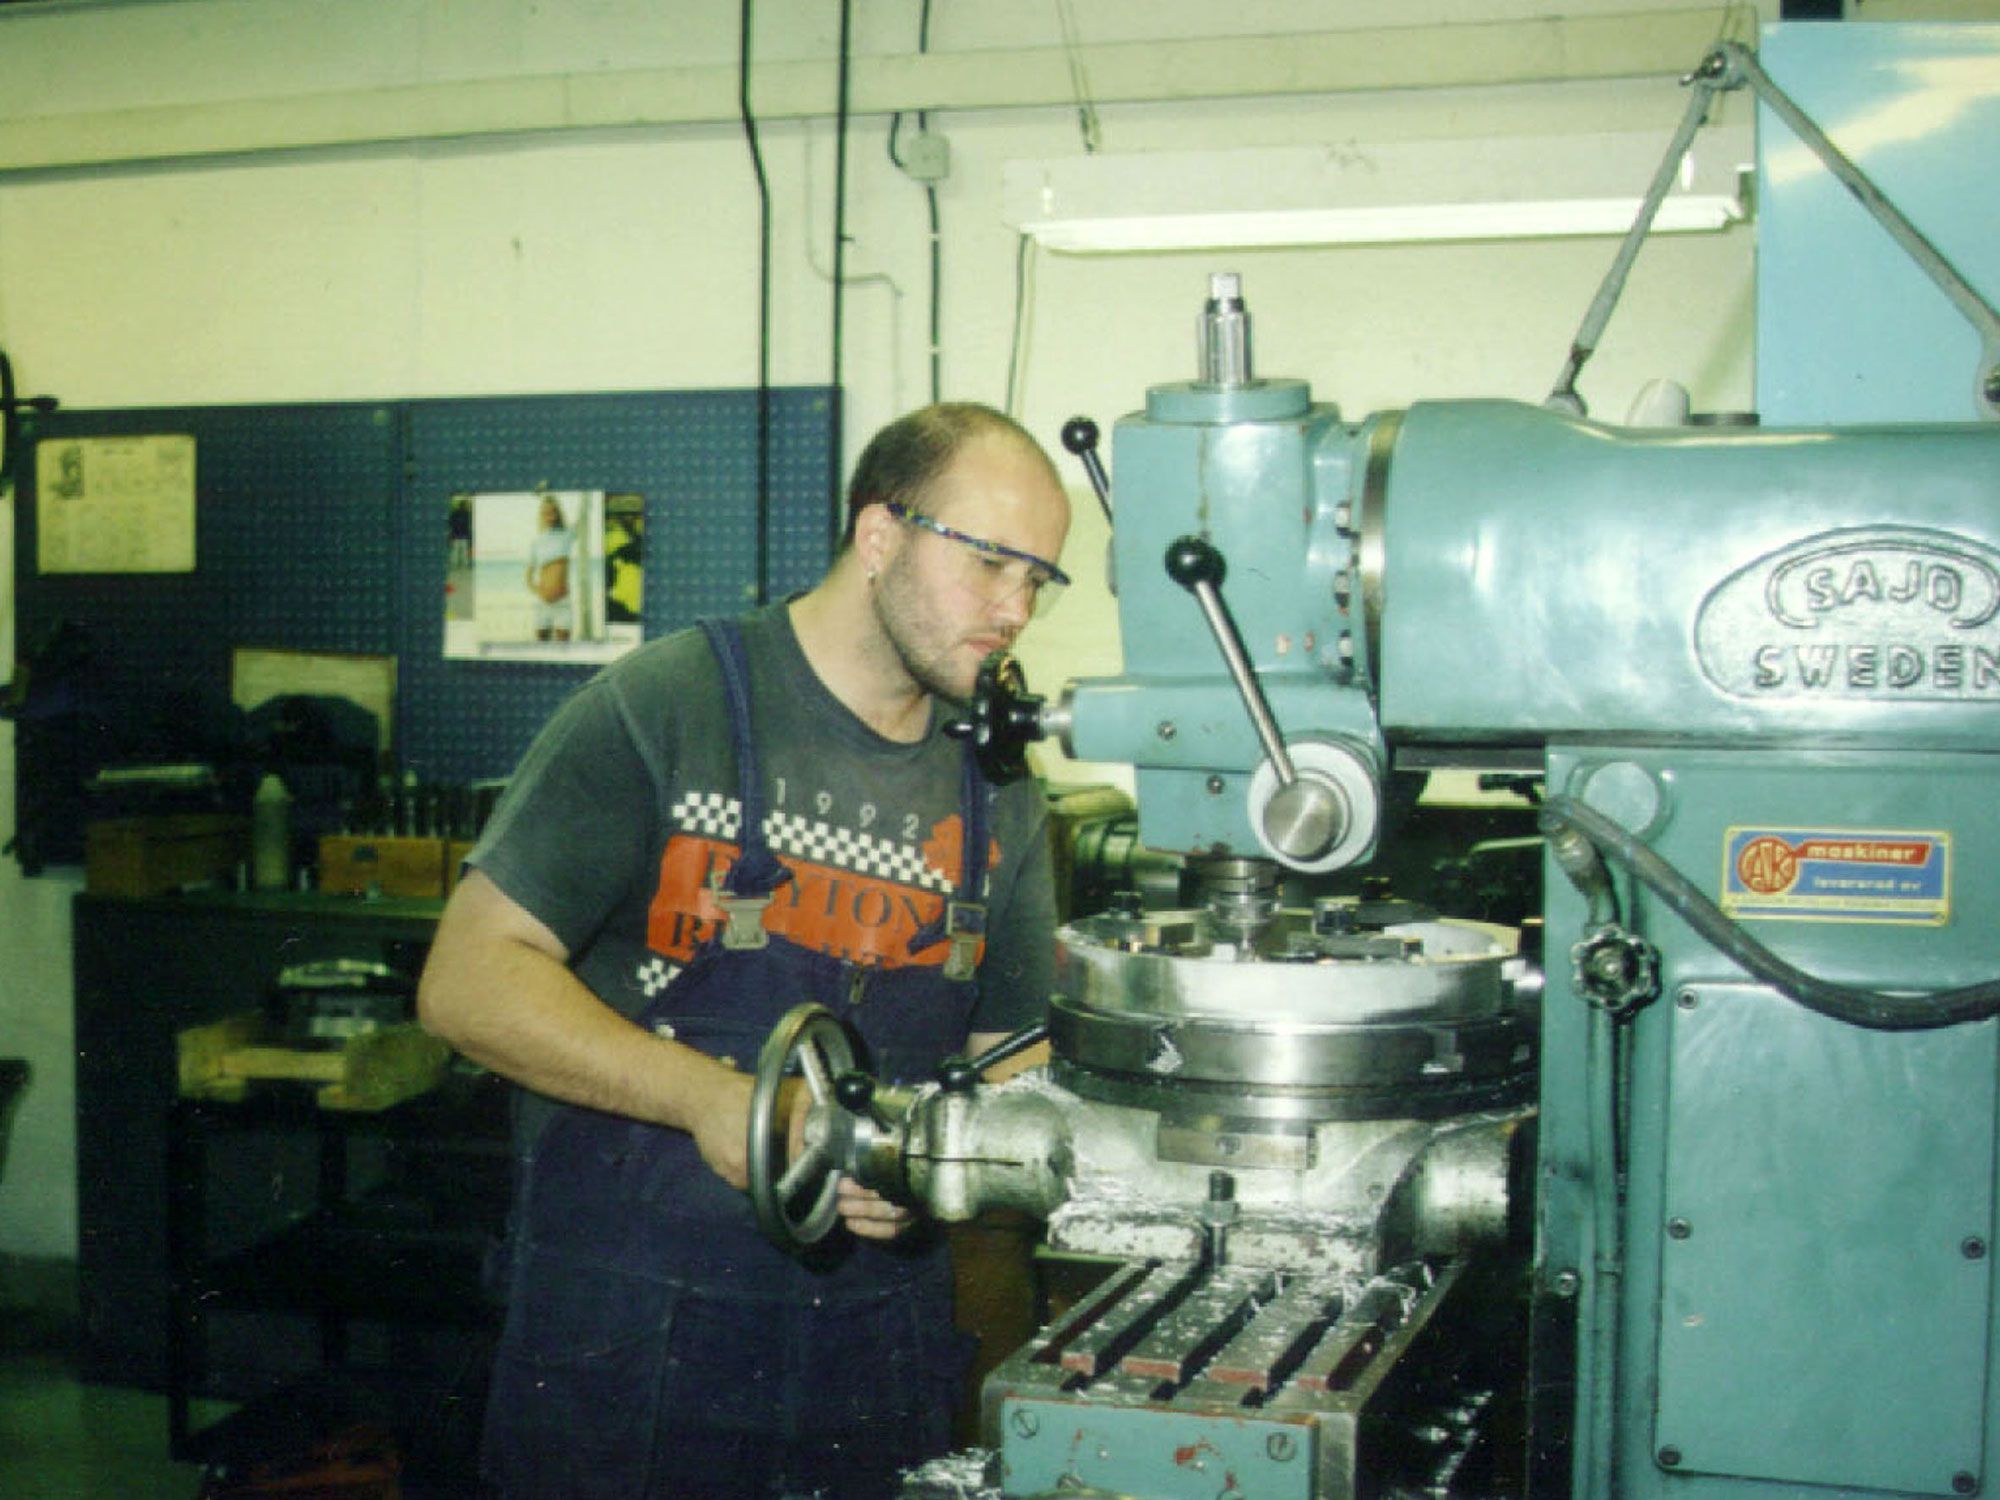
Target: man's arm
column 497, row 987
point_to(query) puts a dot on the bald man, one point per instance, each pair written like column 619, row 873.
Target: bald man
column 655, row 1343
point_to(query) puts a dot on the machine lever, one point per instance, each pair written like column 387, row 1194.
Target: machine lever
column 1079, row 436
column 1305, row 817
column 1198, row 567
column 959, row 1074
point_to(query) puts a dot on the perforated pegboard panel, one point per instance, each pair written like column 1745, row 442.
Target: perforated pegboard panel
column 692, row 454
column 321, row 528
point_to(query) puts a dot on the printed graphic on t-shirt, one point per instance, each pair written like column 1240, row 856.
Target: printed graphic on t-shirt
column 858, row 895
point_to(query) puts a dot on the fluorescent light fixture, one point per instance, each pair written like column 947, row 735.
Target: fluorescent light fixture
column 1509, row 187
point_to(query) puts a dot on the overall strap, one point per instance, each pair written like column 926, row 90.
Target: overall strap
column 974, row 796
column 963, row 919
column 745, row 891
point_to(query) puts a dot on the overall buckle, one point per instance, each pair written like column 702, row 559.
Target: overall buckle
column 742, row 916
column 965, row 930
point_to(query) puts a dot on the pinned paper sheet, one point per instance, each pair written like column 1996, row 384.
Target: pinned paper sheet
column 257, row 675
column 115, row 505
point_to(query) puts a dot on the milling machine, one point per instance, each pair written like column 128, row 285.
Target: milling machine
column 1707, row 1211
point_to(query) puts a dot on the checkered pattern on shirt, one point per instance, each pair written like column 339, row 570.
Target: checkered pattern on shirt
column 717, row 816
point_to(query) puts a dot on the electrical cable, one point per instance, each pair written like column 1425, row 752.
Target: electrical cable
column 1022, row 248
column 1079, row 80
column 834, row 526
column 1875, row 1010
column 937, row 296
column 937, row 240
column 931, row 197
column 749, row 119
column 7, row 438
column 10, row 416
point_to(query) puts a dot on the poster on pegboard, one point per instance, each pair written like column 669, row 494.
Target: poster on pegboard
column 529, row 576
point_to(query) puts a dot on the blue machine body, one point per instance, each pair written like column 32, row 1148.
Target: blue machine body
column 1272, row 473
column 1918, row 106
column 1488, row 573
column 1773, row 655
column 1762, row 1258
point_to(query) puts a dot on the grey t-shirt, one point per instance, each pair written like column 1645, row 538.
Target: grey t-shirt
column 627, row 800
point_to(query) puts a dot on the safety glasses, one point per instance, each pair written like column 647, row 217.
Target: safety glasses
column 994, row 572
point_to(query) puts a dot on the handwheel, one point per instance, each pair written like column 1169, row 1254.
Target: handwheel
column 795, row 1204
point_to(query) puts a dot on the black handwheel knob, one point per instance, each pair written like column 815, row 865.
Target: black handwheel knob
column 1000, row 719
column 957, row 1076
column 1192, row 561
column 1079, row 436
column 854, row 1092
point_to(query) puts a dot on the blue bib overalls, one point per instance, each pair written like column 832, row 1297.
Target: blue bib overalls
column 656, row 1344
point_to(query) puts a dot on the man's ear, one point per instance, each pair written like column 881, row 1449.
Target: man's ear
column 876, row 537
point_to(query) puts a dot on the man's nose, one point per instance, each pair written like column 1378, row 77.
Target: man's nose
column 1015, row 608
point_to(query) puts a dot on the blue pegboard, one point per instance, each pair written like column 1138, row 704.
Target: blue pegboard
column 321, row 528
column 692, row 454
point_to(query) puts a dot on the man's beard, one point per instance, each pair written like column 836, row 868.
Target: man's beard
column 928, row 676
column 905, row 627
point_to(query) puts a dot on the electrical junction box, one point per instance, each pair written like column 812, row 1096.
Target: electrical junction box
column 927, row 157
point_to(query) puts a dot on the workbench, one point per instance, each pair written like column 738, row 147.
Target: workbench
column 146, row 969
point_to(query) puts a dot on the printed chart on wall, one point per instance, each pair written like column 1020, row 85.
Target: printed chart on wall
column 115, row 505
column 543, row 575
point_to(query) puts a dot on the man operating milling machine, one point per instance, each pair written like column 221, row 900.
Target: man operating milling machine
column 731, row 820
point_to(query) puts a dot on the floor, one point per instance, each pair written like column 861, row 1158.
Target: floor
column 61, row 1439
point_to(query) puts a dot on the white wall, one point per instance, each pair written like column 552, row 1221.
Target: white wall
column 598, row 259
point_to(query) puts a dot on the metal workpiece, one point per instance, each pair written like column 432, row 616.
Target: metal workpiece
column 1245, row 1072
column 1240, row 1034
column 1316, row 1057
column 1298, row 973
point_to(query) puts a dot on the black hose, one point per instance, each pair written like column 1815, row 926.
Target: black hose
column 937, row 251
column 749, row 118
column 837, row 403
column 1875, row 1010
column 7, row 438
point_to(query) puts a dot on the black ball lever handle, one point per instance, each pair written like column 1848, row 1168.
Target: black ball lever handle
column 1079, row 436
